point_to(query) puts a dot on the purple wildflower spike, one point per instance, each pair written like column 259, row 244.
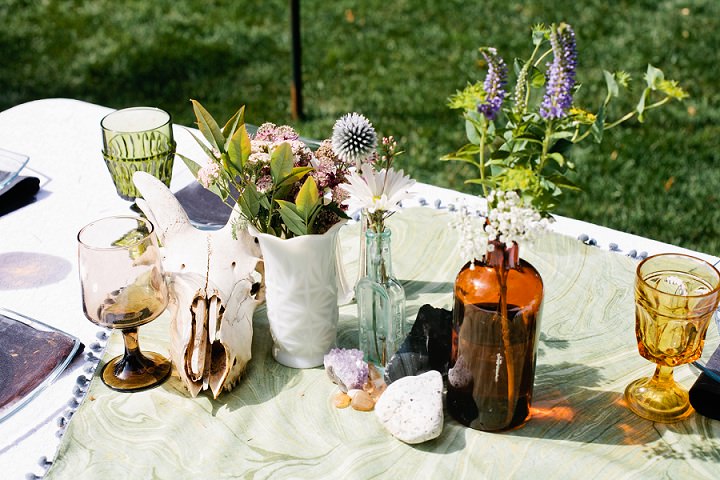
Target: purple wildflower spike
column 561, row 73
column 493, row 85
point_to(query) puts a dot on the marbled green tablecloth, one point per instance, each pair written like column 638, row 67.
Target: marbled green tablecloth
column 280, row 423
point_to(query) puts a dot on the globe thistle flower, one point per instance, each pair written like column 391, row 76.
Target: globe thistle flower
column 494, row 82
column 561, row 73
column 354, row 138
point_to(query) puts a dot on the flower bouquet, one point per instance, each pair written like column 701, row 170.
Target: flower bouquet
column 519, row 142
column 289, row 197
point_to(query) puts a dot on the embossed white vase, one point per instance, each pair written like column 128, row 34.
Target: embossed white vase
column 301, row 295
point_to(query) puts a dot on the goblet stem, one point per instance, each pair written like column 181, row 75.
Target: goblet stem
column 659, row 398
column 134, row 371
column 663, row 376
column 133, row 361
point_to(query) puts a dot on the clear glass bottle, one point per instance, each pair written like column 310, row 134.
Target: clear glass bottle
column 381, row 302
column 496, row 320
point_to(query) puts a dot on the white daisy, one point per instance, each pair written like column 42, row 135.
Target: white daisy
column 377, row 191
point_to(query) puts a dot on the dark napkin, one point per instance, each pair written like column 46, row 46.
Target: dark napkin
column 202, row 206
column 705, row 393
column 18, row 193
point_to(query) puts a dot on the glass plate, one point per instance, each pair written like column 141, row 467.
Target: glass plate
column 10, row 165
column 32, row 355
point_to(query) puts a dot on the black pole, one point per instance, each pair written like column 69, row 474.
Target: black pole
column 296, row 104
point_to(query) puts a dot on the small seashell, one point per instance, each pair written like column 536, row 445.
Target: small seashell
column 361, row 400
column 341, row 400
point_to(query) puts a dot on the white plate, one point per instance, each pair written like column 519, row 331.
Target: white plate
column 10, row 165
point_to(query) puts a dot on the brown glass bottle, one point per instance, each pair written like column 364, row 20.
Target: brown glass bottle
column 494, row 341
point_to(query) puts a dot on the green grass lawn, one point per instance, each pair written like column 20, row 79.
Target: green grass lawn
column 397, row 62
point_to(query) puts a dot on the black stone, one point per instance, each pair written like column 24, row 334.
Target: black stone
column 427, row 346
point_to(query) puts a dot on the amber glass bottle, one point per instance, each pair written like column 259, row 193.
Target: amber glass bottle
column 494, row 340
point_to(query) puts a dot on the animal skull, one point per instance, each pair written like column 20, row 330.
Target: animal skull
column 213, row 291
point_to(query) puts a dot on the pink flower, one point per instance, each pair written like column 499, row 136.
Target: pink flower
column 264, row 183
column 208, row 174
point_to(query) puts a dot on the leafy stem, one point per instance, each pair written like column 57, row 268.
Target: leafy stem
column 481, row 157
column 545, row 145
column 631, row 114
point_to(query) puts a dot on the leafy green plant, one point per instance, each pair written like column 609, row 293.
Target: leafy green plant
column 519, row 142
column 278, row 183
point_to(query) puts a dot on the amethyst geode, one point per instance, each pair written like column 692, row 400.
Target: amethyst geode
column 346, row 368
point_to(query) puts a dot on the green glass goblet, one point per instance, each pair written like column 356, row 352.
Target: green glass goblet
column 137, row 139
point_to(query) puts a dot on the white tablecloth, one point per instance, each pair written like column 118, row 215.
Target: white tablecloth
column 38, row 266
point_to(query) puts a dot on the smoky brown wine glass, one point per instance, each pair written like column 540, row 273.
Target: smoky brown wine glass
column 123, row 287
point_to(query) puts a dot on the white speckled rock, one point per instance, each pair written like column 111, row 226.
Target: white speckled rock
column 411, row 408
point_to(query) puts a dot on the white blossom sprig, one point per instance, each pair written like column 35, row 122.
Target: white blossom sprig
column 472, row 240
column 509, row 220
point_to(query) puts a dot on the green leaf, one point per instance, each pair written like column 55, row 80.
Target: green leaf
column 563, row 134
column 292, row 218
column 537, row 78
column 460, row 158
column 472, row 133
column 296, row 174
column 239, row 149
column 557, row 157
column 653, row 77
column 249, row 202
column 518, row 65
column 598, row 127
column 480, row 181
column 528, row 137
column 203, row 145
column 307, row 198
column 208, row 126
column 498, row 155
column 281, row 162
column 640, row 108
column 191, row 165
column 265, row 202
column 229, row 129
column 564, row 182
column 612, row 86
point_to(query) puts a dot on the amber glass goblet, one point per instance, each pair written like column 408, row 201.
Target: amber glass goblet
column 675, row 298
column 123, row 287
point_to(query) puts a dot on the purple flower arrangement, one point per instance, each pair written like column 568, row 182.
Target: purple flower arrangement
column 494, row 83
column 519, row 142
column 560, row 74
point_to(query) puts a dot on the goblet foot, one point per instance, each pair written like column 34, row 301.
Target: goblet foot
column 135, row 372
column 664, row 402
